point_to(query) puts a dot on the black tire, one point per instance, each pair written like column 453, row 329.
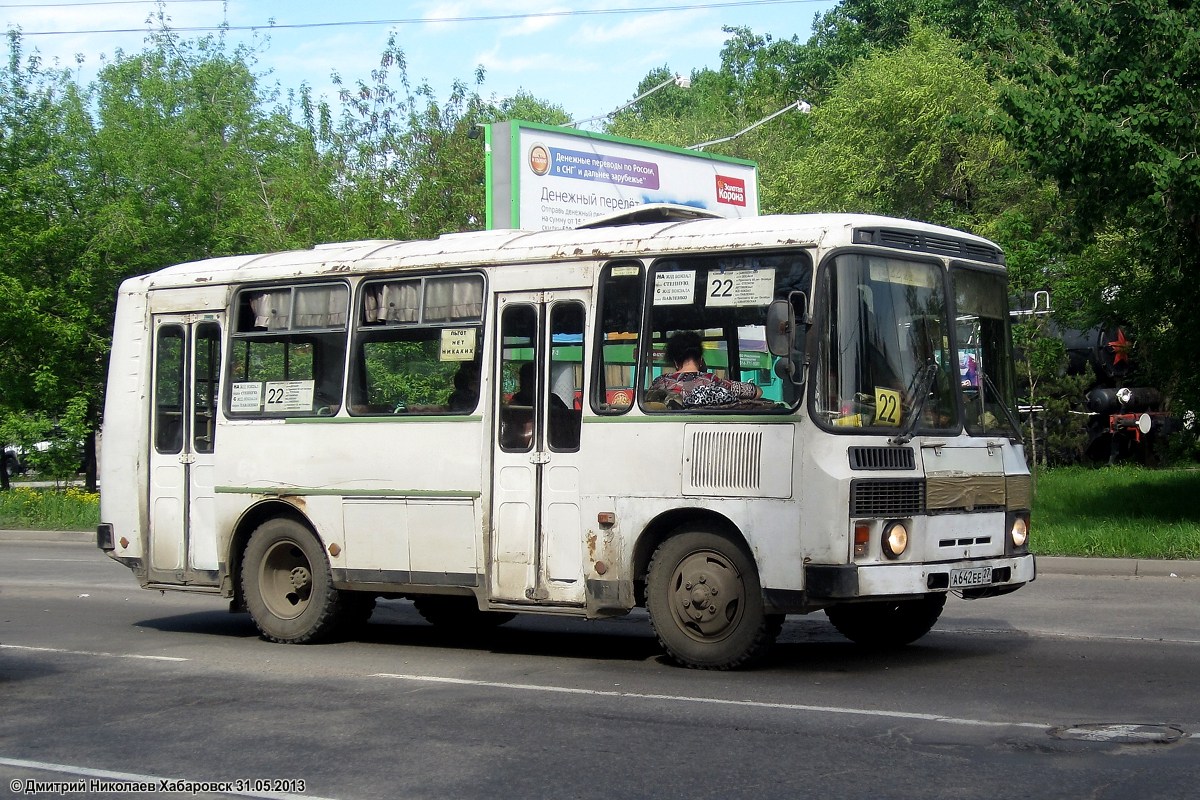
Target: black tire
column 288, row 586
column 705, row 602
column 887, row 623
column 457, row 612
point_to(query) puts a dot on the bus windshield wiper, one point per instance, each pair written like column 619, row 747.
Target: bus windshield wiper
column 1012, row 420
column 923, row 381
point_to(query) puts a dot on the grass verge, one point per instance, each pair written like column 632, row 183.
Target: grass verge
column 1117, row 512
column 70, row 509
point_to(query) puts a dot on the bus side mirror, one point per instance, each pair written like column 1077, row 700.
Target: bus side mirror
column 787, row 335
column 781, row 326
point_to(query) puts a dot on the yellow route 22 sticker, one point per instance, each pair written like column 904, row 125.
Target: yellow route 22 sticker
column 887, row 406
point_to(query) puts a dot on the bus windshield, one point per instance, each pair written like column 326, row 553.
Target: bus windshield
column 888, row 358
column 883, row 352
column 985, row 370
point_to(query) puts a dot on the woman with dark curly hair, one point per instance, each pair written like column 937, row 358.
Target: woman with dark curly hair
column 692, row 383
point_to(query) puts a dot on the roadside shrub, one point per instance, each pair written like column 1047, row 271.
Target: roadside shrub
column 72, row 509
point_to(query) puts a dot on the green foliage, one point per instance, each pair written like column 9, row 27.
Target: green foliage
column 1055, row 434
column 69, row 509
column 1103, row 98
column 403, row 373
column 910, row 132
column 176, row 153
column 60, row 456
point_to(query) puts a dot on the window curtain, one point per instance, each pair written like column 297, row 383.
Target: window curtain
column 320, row 307
column 271, row 309
column 393, row 302
column 454, row 299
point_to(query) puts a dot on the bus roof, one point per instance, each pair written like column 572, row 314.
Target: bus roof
column 495, row 247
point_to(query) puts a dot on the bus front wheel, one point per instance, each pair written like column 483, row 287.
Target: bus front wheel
column 706, row 604
column 887, row 623
column 287, row 584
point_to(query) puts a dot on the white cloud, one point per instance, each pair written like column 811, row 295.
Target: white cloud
column 537, row 63
column 678, row 27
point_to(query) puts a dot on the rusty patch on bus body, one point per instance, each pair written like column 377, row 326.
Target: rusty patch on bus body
column 295, row 500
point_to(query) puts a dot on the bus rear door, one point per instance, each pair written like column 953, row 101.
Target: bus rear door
column 187, row 356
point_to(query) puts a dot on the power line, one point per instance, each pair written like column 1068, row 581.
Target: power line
column 101, row 3
column 419, row 20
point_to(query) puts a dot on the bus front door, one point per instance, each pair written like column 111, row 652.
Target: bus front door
column 187, row 354
column 536, row 554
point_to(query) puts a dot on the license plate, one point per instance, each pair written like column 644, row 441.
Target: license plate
column 974, row 576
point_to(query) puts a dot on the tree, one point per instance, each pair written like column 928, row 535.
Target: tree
column 911, row 132
column 405, row 164
column 176, row 153
column 1103, row 98
column 47, row 346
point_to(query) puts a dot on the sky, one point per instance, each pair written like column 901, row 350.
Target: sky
column 586, row 56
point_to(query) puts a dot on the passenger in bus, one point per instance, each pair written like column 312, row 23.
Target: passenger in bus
column 691, row 382
column 523, row 396
column 466, row 387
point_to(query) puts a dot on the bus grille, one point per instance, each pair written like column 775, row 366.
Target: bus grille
column 727, row 460
column 866, row 458
column 886, row 498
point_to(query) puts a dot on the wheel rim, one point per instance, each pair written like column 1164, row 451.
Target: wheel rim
column 285, row 580
column 707, row 596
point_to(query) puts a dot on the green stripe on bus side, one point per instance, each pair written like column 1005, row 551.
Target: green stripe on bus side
column 385, row 418
column 293, row 491
column 761, row 419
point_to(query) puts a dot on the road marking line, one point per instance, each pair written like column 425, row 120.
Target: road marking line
column 88, row 653
column 1100, row 637
column 867, row 712
column 108, row 775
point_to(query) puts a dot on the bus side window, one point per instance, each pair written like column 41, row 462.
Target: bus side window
column 518, row 377
column 566, row 374
column 418, row 346
column 168, row 389
column 206, row 371
column 620, row 319
column 401, row 371
column 288, row 351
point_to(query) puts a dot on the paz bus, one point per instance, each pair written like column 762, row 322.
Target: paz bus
column 304, row 432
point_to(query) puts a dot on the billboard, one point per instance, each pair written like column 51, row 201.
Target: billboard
column 542, row 177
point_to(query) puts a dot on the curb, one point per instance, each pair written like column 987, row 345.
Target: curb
column 1046, row 565
column 1118, row 567
column 47, row 536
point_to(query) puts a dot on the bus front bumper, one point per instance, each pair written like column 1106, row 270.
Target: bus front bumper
column 973, row 577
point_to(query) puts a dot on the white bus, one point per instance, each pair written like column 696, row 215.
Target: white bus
column 304, row 432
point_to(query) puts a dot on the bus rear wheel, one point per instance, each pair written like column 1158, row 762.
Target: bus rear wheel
column 706, row 604
column 287, row 584
column 887, row 623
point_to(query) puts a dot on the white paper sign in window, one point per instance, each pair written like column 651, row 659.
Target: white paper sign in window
column 743, row 287
column 674, row 288
column 458, row 344
column 289, row 396
column 246, row 397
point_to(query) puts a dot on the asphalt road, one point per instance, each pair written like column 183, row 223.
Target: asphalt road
column 1076, row 686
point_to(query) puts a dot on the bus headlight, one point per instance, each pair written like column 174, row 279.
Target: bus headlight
column 895, row 539
column 1019, row 532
